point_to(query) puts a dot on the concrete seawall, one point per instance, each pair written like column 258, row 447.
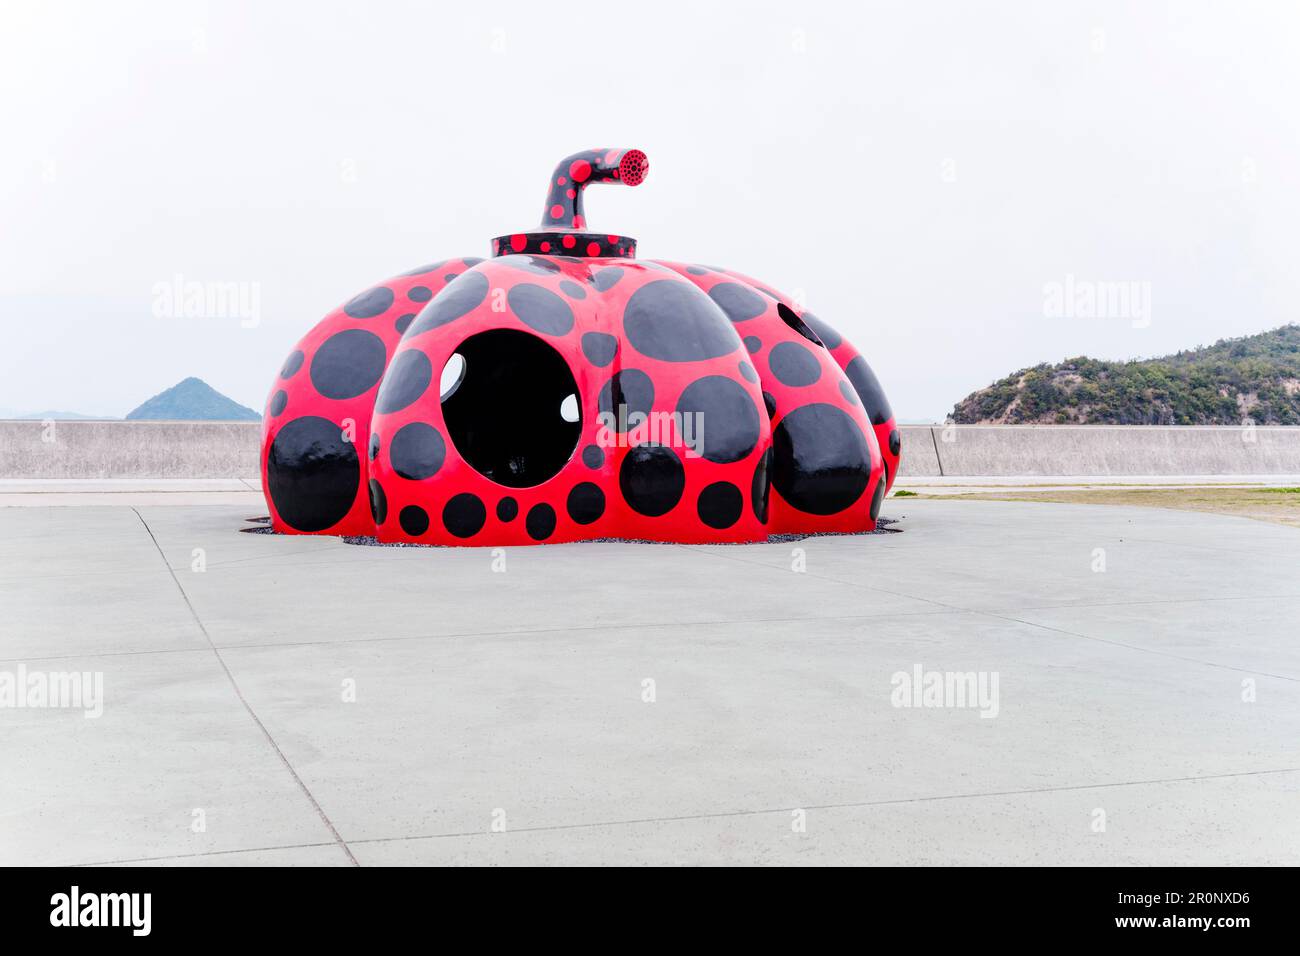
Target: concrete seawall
column 118, row 449
column 87, row 449
column 1101, row 450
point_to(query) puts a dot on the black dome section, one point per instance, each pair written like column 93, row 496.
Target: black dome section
column 404, row 382
column 673, row 321
column 821, row 463
column 739, row 302
column 652, row 480
column 312, row 473
column 729, row 423
column 867, row 386
column 628, row 392
column 457, row 299
column 348, row 363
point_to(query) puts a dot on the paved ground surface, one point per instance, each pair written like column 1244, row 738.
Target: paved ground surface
column 1280, row 505
column 130, row 492
column 1146, row 713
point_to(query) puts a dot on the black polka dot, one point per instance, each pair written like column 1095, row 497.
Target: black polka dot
column 878, row 498
column 830, row 338
column 769, row 402
column 507, row 509
column 540, row 523
column 471, row 262
column 605, row 279
column 540, row 309
column 592, row 456
column 868, row 388
column 572, row 289
column 348, row 364
column 740, row 304
column 450, row 277
column 586, row 503
column 370, row 303
column 373, row 450
column 791, row 318
column 652, row 480
column 403, row 322
column 417, row 451
column 850, row 396
column 628, row 392
column 793, row 364
column 419, row 293
column 759, row 486
column 821, row 462
column 407, row 379
column 456, row 299
column 675, row 322
column 895, row 442
column 278, row 401
column 313, row 473
column 752, row 344
column 720, row 504
column 292, row 364
column 414, row 520
column 728, row 422
column 378, row 502
column 747, row 372
column 464, row 515
column 599, row 347
column 697, row 270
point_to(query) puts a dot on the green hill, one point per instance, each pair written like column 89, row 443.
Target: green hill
column 192, row 400
column 1256, row 377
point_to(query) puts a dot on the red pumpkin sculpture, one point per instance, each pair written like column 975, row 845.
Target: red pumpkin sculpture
column 563, row 390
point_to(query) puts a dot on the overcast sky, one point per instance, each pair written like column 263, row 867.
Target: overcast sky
column 920, row 172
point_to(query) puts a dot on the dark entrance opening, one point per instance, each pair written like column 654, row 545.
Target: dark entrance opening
column 511, row 407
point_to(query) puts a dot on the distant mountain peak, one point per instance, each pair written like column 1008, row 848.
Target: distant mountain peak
column 192, row 399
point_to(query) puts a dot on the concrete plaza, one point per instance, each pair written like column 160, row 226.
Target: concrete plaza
column 301, row 700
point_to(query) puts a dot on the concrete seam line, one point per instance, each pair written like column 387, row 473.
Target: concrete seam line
column 523, row 632
column 861, row 804
column 937, row 457
column 1142, row 650
column 187, row 856
column 243, row 700
column 1016, row 620
column 723, row 814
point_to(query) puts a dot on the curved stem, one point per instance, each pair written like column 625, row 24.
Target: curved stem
column 575, row 173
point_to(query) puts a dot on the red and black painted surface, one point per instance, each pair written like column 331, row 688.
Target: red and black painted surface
column 563, row 390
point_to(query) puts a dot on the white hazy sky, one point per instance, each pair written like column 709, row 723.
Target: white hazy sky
column 919, row 170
